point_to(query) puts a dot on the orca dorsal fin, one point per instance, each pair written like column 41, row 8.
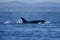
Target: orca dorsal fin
column 23, row 20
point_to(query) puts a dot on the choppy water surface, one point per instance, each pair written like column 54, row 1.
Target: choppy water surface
column 48, row 31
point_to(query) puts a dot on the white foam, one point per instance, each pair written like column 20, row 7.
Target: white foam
column 44, row 23
column 7, row 22
column 47, row 22
column 39, row 23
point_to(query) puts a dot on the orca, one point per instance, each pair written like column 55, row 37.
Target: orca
column 33, row 21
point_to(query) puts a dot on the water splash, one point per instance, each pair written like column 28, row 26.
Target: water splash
column 19, row 21
column 7, row 22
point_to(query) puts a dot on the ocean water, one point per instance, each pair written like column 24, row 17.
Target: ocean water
column 21, row 31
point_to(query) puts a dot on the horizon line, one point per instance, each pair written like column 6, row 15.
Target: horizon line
column 29, row 2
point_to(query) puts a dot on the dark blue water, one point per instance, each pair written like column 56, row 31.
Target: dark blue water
column 48, row 31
